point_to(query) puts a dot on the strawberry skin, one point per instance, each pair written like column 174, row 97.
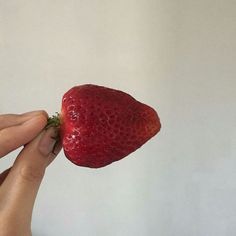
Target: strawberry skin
column 101, row 125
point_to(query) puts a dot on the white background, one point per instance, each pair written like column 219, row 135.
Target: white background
column 177, row 56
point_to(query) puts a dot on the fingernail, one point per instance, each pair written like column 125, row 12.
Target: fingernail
column 48, row 141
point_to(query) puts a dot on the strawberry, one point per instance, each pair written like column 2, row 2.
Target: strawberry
column 100, row 125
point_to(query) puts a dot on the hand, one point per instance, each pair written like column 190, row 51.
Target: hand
column 20, row 183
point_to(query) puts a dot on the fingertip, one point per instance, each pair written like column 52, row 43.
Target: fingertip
column 43, row 115
column 39, row 119
column 48, row 141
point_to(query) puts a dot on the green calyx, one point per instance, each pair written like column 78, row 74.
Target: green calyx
column 53, row 121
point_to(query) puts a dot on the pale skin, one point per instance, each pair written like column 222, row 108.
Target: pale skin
column 19, row 184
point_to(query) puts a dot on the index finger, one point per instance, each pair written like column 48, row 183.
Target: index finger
column 15, row 136
column 8, row 120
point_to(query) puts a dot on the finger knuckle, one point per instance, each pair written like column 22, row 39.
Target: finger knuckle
column 31, row 174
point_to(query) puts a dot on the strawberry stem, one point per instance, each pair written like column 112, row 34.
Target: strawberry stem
column 53, row 121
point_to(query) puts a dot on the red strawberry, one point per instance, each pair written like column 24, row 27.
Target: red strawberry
column 101, row 125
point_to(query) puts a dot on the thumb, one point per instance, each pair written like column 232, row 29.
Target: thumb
column 19, row 190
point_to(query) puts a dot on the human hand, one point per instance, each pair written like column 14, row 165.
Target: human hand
column 20, row 183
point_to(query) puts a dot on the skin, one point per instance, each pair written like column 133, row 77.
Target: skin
column 19, row 184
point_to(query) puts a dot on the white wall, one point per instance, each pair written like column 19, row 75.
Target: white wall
column 177, row 56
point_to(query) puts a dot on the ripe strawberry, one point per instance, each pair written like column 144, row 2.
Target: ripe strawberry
column 100, row 125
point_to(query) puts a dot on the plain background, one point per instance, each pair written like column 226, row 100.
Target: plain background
column 177, row 56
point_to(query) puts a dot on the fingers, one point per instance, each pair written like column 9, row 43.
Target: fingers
column 19, row 190
column 20, row 129
column 7, row 120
